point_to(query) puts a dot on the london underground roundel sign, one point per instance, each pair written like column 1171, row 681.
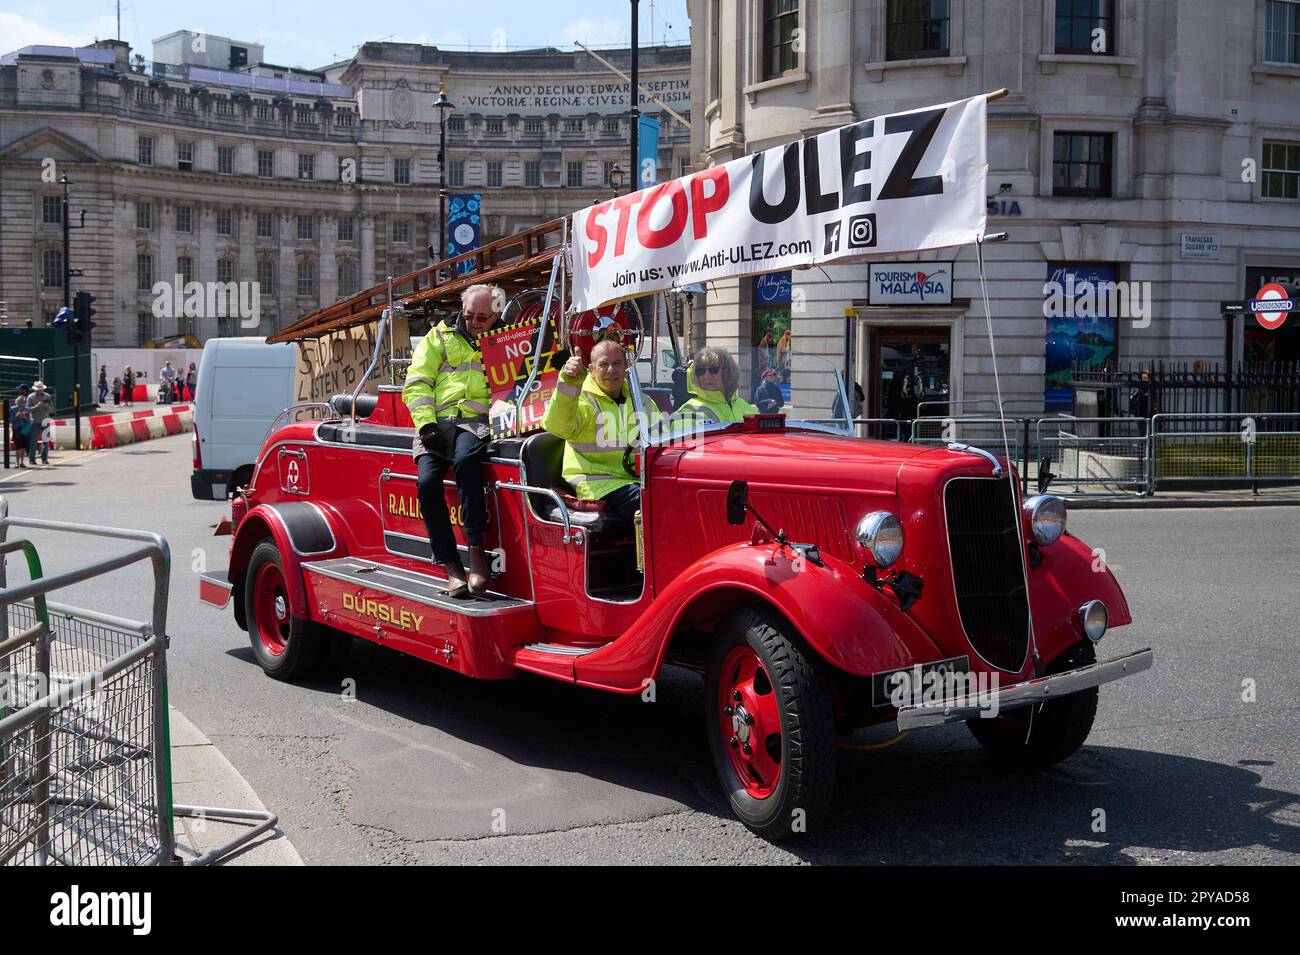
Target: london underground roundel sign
column 1271, row 305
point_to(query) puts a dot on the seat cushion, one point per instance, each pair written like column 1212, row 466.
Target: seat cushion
column 543, row 457
column 366, row 404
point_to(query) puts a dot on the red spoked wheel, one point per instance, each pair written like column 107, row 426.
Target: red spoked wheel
column 588, row 328
column 286, row 647
column 749, row 720
column 770, row 723
column 271, row 609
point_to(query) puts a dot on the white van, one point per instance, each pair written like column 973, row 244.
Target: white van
column 243, row 384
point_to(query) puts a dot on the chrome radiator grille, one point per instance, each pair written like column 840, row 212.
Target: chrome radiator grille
column 988, row 569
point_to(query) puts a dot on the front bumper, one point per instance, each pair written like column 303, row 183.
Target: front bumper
column 920, row 715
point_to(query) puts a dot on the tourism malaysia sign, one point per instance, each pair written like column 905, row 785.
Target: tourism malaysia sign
column 882, row 187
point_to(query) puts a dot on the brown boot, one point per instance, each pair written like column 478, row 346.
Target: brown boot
column 457, row 585
column 478, row 572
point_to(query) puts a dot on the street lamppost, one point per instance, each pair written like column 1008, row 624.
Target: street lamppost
column 442, row 104
column 614, row 179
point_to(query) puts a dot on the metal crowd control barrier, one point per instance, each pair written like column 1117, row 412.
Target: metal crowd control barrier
column 1102, row 456
column 1224, row 447
column 85, row 753
column 979, row 431
column 882, row 429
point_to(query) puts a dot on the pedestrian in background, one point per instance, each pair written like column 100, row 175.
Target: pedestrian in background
column 167, row 383
column 117, row 390
column 128, row 386
column 103, row 384
column 39, row 407
column 20, row 425
column 192, row 381
column 767, row 396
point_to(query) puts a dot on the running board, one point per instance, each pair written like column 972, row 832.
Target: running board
column 411, row 585
column 556, row 660
column 561, row 649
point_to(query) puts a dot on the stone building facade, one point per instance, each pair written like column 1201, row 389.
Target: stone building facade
column 312, row 190
column 1152, row 142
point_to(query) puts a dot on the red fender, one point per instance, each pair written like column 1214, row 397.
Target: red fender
column 849, row 623
column 1068, row 577
column 264, row 520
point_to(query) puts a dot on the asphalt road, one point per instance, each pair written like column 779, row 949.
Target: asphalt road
column 427, row 766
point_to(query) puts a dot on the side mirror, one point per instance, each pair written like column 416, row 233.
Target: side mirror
column 737, row 500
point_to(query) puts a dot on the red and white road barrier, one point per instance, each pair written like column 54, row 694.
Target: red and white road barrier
column 125, row 427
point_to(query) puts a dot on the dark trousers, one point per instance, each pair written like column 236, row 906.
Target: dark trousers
column 464, row 453
column 625, row 501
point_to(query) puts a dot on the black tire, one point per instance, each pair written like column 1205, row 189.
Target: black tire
column 805, row 752
column 286, row 647
column 1043, row 735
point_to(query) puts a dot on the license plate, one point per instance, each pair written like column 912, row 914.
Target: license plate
column 915, row 680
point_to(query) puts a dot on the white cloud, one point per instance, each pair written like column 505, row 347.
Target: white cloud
column 593, row 33
column 19, row 31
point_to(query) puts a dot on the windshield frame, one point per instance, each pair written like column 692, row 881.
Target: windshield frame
column 666, row 439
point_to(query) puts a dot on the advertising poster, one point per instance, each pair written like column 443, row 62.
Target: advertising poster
column 772, row 336
column 507, row 363
column 1081, row 327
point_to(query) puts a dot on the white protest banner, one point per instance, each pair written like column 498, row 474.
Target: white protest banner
column 889, row 185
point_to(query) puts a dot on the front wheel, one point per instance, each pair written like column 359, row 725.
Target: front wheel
column 770, row 725
column 286, row 647
column 1044, row 734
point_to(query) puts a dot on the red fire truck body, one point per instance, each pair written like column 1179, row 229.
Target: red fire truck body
column 799, row 631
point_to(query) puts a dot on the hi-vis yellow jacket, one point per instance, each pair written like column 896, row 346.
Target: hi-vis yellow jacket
column 596, row 430
column 445, row 379
column 708, row 407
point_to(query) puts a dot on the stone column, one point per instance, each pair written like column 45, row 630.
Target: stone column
column 205, row 266
column 287, row 292
column 327, row 270
column 366, row 264
column 165, row 264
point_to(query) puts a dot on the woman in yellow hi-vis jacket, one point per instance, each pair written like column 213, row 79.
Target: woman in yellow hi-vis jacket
column 713, row 380
column 598, row 422
column 447, row 394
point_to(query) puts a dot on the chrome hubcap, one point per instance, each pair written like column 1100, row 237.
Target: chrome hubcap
column 280, row 609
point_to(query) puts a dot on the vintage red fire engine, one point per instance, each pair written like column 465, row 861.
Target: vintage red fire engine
column 820, row 582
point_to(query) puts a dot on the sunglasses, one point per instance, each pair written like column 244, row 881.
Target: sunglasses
column 710, row 370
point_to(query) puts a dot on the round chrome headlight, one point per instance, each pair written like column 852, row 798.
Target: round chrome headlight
column 1046, row 518
column 881, row 533
column 1095, row 619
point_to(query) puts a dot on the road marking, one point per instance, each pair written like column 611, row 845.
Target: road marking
column 47, row 469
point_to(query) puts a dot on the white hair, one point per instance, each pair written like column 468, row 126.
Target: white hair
column 495, row 291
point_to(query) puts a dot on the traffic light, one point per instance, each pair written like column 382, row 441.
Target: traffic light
column 81, row 314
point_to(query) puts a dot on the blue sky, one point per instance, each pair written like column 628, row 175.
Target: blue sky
column 298, row 33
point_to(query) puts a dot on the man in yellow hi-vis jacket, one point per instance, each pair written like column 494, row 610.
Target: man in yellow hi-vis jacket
column 598, row 422
column 448, row 396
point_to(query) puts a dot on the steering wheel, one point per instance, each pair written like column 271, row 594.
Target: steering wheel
column 588, row 328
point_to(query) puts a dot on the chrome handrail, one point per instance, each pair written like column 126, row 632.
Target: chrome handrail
column 569, row 536
column 541, row 338
column 290, row 410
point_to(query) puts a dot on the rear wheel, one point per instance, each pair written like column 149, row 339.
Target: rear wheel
column 287, row 647
column 770, row 725
column 1045, row 734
